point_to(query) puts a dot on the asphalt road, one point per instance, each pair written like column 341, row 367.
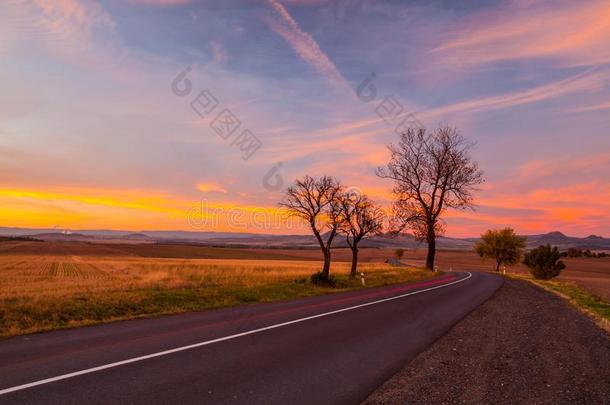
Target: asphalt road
column 336, row 348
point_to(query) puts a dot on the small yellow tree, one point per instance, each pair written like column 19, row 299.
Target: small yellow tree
column 502, row 245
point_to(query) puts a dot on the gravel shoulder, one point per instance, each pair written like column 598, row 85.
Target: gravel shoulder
column 524, row 345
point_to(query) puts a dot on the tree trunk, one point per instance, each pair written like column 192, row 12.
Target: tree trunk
column 326, row 268
column 354, row 269
column 431, row 249
column 498, row 266
column 325, row 252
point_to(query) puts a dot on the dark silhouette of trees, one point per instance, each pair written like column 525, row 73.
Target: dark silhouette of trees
column 503, row 245
column 432, row 172
column 360, row 217
column 574, row 252
column 544, row 262
column 317, row 201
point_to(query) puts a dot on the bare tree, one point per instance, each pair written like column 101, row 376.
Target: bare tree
column 317, row 201
column 359, row 217
column 431, row 172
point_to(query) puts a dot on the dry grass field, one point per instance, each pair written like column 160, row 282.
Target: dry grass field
column 592, row 274
column 45, row 285
column 66, row 285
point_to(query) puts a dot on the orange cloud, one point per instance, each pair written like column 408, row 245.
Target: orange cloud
column 574, row 209
column 136, row 210
column 87, row 208
column 211, row 188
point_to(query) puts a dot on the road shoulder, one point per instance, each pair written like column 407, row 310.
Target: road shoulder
column 523, row 345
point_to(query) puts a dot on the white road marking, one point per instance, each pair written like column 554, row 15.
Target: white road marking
column 222, row 339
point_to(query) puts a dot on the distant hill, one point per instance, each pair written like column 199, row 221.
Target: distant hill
column 556, row 238
column 137, row 236
column 58, row 236
column 592, row 242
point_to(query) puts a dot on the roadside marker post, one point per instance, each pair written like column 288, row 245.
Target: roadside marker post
column 362, row 278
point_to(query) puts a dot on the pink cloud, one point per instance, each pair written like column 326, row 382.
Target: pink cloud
column 69, row 29
column 160, row 2
column 594, row 107
column 574, row 33
column 72, row 19
column 219, row 53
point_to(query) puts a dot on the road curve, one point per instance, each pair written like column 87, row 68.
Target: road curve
column 335, row 348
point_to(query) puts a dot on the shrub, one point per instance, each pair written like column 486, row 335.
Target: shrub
column 300, row 280
column 544, row 262
column 321, row 279
column 399, row 253
column 503, row 245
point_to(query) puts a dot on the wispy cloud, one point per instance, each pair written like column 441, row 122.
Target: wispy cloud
column 589, row 81
column 72, row 21
column 81, row 31
column 303, row 43
column 594, row 107
column 219, row 53
column 160, row 2
column 64, row 118
column 575, row 33
column 345, row 134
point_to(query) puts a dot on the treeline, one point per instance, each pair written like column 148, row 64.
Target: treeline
column 18, row 239
column 574, row 252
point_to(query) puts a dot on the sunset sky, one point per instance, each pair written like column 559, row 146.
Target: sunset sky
column 93, row 136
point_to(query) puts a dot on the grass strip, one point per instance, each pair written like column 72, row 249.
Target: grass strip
column 583, row 300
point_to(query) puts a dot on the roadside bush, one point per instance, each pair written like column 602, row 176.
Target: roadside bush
column 502, row 245
column 544, row 262
column 300, row 280
column 321, row 279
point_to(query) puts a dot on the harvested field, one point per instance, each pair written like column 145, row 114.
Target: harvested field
column 45, row 291
column 54, row 284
